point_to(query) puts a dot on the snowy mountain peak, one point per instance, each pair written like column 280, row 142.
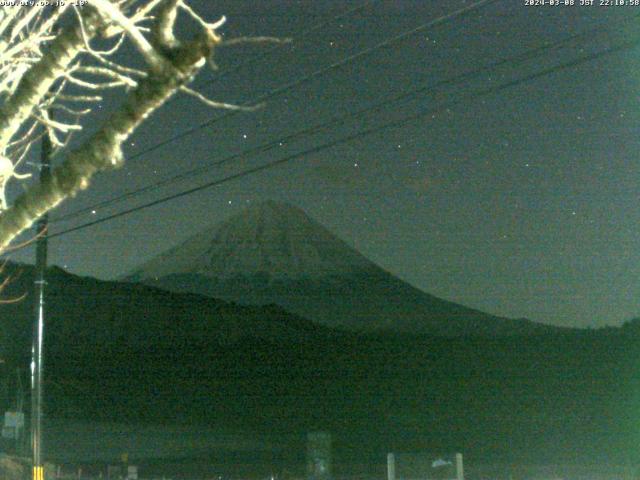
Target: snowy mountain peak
column 271, row 239
column 273, row 253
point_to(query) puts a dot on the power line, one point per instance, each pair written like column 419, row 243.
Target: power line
column 511, row 61
column 316, row 74
column 273, row 48
column 358, row 135
column 261, row 56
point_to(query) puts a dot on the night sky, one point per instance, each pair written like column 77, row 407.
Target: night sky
column 522, row 202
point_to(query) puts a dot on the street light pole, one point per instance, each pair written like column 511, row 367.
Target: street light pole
column 38, row 324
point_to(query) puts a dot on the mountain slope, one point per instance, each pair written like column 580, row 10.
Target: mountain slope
column 89, row 315
column 275, row 253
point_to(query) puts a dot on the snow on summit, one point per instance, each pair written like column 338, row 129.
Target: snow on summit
column 272, row 238
column 273, row 253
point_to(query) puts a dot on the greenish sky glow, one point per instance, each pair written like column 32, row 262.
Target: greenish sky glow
column 522, row 203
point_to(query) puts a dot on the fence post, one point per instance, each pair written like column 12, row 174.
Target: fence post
column 459, row 467
column 391, row 466
column 318, row 456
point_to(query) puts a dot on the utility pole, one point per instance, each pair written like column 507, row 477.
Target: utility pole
column 20, row 433
column 38, row 324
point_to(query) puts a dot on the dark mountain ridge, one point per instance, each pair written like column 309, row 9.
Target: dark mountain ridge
column 104, row 313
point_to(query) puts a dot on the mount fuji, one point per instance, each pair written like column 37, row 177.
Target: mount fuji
column 274, row 253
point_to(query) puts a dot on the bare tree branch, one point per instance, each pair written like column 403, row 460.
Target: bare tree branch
column 232, row 42
column 103, row 150
column 37, row 81
column 215, row 104
column 111, row 11
column 48, row 65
